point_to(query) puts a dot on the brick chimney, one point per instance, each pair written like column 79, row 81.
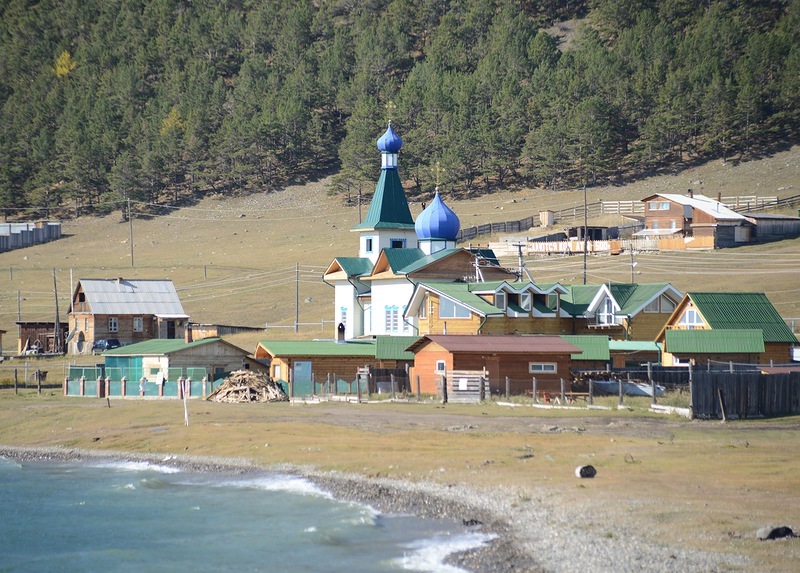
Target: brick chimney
column 188, row 332
column 690, row 193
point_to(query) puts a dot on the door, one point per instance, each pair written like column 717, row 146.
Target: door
column 170, row 329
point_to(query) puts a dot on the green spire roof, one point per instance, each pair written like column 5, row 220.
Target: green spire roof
column 389, row 207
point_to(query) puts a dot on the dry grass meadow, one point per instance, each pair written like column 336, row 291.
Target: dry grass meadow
column 696, row 484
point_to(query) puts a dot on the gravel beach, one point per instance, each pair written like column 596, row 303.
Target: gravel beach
column 532, row 534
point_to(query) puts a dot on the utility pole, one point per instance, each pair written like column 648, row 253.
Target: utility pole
column 57, row 329
column 585, row 231
column 296, row 297
column 633, row 265
column 19, row 316
column 130, row 226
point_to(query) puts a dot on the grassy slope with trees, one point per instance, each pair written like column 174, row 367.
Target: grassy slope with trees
column 156, row 101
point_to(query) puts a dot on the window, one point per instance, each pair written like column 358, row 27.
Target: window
column 542, row 367
column 86, row 324
column 423, row 308
column 667, row 305
column 500, row 300
column 138, row 324
column 605, row 315
column 525, row 301
column 655, row 224
column 441, row 367
column 392, row 319
column 343, row 315
column 658, row 206
column 397, row 243
column 652, row 306
column 450, row 309
column 113, row 324
column 552, row 301
column 368, row 245
column 276, row 372
column 672, row 224
column 691, row 319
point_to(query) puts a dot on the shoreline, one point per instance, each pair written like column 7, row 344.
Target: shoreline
column 387, row 496
column 531, row 535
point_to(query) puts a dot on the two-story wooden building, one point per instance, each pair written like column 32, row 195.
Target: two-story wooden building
column 129, row 310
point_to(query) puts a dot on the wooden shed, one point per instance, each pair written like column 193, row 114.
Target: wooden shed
column 520, row 358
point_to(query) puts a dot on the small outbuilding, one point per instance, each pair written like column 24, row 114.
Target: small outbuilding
column 518, row 358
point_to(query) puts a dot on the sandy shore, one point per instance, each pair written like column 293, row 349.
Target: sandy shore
column 534, row 536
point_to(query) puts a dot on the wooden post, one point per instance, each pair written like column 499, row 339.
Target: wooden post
column 444, row 389
column 652, row 382
column 535, row 393
column 619, row 382
column 730, row 367
column 15, row 381
column 123, row 386
column 328, row 382
column 722, row 405
column 691, row 391
column 100, row 387
column 419, row 394
column 391, row 377
column 107, row 388
column 38, row 381
column 591, row 391
column 508, row 387
column 335, row 384
column 563, row 398
column 483, row 387
column 358, row 386
column 82, row 388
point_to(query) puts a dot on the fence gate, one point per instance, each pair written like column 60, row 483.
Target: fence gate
column 466, row 386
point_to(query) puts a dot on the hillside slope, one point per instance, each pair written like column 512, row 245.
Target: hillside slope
column 238, row 261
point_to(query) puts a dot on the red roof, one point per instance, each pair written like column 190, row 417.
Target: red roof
column 505, row 344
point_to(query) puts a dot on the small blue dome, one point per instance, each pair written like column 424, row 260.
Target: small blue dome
column 437, row 221
column 389, row 142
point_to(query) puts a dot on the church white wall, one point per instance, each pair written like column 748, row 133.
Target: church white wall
column 382, row 239
column 390, row 296
column 345, row 298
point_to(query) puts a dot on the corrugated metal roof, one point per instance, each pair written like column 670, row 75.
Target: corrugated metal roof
column 318, row 348
column 132, row 296
column 506, row 344
column 632, row 297
column 388, row 208
column 400, row 258
column 594, row 347
column 634, row 346
column 705, row 204
column 427, row 260
column 749, row 341
column 578, row 298
column 355, row 266
column 159, row 346
column 460, row 292
column 742, row 310
column 394, row 347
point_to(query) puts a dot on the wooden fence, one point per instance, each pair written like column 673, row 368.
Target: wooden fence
column 734, row 395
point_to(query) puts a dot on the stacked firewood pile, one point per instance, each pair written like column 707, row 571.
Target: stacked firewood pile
column 248, row 386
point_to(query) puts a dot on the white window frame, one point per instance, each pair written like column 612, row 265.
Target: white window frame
column 542, row 368
column 455, row 306
column 441, row 366
column 500, row 300
column 276, row 371
column 423, row 308
column 526, row 301
column 391, row 318
column 605, row 314
column 343, row 315
column 666, row 305
column 691, row 319
column 138, row 324
column 113, row 324
column 652, row 306
column 397, row 240
column 368, row 244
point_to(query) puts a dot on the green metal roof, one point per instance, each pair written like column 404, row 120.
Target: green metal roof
column 634, row 346
column 389, row 207
column 399, row 259
column 460, row 292
column 394, row 347
column 750, row 341
column 632, row 297
column 355, row 266
column 594, row 347
column 159, row 346
column 426, row 260
column 578, row 298
column 742, row 310
column 318, row 347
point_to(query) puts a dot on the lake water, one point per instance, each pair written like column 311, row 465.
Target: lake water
column 143, row 517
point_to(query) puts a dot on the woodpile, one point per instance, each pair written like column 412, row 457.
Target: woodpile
column 248, row 386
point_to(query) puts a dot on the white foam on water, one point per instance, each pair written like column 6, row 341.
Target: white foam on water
column 131, row 466
column 429, row 554
column 277, row 482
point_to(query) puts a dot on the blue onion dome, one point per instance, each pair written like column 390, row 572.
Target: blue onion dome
column 437, row 221
column 390, row 142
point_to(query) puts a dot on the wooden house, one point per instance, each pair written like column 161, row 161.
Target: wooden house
column 129, row 310
column 694, row 215
column 520, row 358
column 621, row 311
column 163, row 359
column 303, row 362
column 728, row 326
